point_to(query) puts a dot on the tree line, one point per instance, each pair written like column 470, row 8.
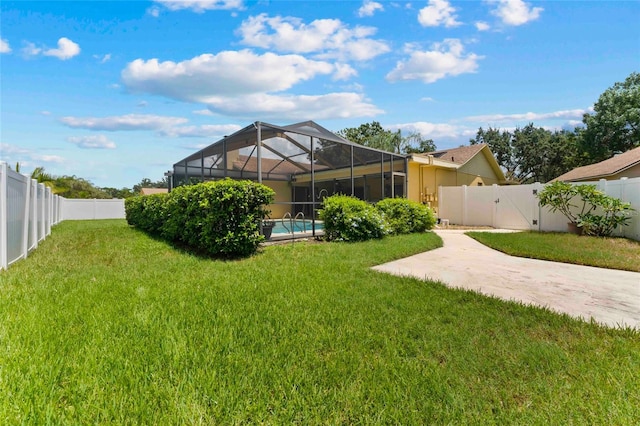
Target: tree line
column 535, row 154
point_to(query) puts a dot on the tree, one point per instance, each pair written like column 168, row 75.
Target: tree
column 416, row 144
column 614, row 125
column 375, row 136
column 531, row 154
column 148, row 183
column 499, row 143
column 68, row 186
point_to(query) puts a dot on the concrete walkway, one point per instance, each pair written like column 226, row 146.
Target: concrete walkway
column 608, row 296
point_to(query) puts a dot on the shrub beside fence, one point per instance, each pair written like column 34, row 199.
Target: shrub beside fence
column 517, row 206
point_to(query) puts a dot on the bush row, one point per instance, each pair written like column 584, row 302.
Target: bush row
column 350, row 219
column 219, row 218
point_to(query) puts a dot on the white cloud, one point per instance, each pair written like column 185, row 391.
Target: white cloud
column 67, row 49
column 30, row 49
column 438, row 12
column 4, row 46
column 344, row 72
column 446, row 59
column 369, row 7
column 482, row 26
column 103, row 58
column 228, row 73
column 6, row 148
column 326, row 38
column 92, row 142
column 572, row 114
column 200, row 6
column 44, row 158
column 123, row 122
column 515, row 12
column 427, row 99
column 295, row 107
column 204, row 131
column 430, row 130
column 203, row 112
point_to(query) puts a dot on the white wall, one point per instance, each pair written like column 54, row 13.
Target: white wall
column 80, row 209
column 516, row 207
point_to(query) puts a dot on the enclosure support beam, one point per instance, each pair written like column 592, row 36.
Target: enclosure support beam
column 259, row 151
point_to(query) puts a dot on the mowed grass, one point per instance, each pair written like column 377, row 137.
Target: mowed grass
column 612, row 253
column 104, row 325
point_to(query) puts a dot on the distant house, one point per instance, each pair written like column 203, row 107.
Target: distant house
column 472, row 165
column 622, row 165
column 149, row 191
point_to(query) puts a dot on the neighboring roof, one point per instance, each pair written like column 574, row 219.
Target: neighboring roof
column 603, row 169
column 149, row 191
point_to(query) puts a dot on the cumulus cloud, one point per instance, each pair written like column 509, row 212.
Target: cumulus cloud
column 430, row 130
column 572, row 114
column 202, row 112
column 295, row 107
column 515, row 12
column 67, row 49
column 482, row 26
column 228, row 73
column 200, row 6
column 325, row 38
column 446, row 59
column 45, row 158
column 4, row 46
column 204, row 131
column 369, row 7
column 437, row 13
column 103, row 58
column 92, row 142
column 123, row 122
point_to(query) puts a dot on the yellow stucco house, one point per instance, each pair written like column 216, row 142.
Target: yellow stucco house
column 472, row 165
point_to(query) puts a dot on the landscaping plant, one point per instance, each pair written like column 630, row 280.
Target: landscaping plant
column 348, row 218
column 595, row 212
column 405, row 216
column 217, row 218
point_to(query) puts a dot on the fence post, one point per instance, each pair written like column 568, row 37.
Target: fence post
column 494, row 211
column 25, row 218
column 3, row 216
column 33, row 214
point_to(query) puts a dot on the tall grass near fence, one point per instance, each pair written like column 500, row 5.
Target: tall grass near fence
column 105, row 325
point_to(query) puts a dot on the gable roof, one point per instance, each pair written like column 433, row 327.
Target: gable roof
column 603, row 169
column 458, row 155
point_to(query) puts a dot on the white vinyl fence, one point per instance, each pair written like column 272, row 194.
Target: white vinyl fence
column 28, row 210
column 516, row 206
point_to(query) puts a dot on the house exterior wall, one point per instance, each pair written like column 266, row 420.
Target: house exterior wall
column 477, row 171
column 283, row 194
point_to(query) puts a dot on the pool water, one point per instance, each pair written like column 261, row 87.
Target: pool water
column 299, row 225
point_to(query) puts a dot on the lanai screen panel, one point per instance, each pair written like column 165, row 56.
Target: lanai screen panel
column 303, row 152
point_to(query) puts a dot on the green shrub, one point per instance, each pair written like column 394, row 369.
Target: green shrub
column 219, row 218
column 146, row 212
column 350, row 219
column 595, row 212
column 405, row 216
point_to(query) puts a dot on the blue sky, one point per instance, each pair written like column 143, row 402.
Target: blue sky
column 117, row 91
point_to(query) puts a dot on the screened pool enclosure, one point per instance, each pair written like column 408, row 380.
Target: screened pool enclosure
column 303, row 163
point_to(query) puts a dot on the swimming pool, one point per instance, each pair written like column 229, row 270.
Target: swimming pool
column 298, row 225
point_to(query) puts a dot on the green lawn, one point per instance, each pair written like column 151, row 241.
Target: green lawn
column 612, row 253
column 104, row 325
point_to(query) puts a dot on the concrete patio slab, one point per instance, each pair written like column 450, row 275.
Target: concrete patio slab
column 610, row 297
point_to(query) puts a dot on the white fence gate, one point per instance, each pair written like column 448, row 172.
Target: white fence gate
column 516, row 206
column 28, row 210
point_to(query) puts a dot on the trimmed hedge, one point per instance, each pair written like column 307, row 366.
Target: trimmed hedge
column 350, row 219
column 217, row 218
column 405, row 216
